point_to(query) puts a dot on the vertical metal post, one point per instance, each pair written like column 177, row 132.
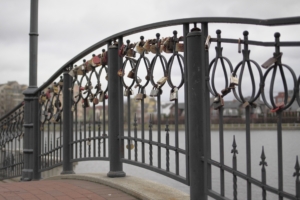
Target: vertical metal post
column 121, row 103
column 116, row 166
column 198, row 119
column 31, row 121
column 207, row 135
column 186, row 28
column 67, row 124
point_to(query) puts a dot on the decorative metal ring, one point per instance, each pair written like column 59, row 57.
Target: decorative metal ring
column 271, row 92
column 164, row 65
column 180, row 60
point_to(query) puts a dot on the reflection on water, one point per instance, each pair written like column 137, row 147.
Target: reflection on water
column 268, row 139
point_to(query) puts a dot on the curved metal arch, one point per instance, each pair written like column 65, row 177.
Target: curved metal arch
column 261, row 22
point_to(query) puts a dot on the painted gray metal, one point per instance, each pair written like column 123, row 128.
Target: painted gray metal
column 114, row 96
column 67, row 125
column 197, row 115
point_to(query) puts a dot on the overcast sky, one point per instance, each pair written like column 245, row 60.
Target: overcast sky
column 67, row 27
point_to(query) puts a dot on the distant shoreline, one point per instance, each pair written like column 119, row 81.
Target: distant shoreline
column 181, row 127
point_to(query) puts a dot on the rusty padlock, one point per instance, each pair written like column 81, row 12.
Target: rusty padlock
column 131, row 74
column 218, row 102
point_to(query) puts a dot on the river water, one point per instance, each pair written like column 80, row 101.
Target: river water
column 268, row 139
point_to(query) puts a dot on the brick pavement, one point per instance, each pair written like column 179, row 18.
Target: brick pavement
column 60, row 189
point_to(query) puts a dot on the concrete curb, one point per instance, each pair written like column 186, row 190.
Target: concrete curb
column 137, row 187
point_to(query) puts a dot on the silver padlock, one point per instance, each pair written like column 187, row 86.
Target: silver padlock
column 233, row 80
column 140, row 95
column 174, row 94
column 207, row 43
column 103, row 96
column 154, row 92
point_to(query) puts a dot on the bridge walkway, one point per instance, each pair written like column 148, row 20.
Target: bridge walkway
column 86, row 187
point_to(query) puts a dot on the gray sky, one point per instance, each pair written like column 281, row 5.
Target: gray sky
column 67, row 27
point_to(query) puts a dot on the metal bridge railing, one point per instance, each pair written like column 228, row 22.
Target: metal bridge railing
column 89, row 111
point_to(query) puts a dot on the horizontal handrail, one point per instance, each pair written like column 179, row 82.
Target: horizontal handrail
column 12, row 111
column 261, row 22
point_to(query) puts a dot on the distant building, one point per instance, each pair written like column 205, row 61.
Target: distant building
column 11, row 94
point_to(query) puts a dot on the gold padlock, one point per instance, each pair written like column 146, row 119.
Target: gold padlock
column 131, row 146
column 179, row 47
column 130, row 53
column 162, row 80
column 147, row 45
column 55, row 88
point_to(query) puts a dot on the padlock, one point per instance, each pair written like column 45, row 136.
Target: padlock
column 233, row 81
column 271, row 61
column 130, row 146
column 57, row 116
column 73, row 108
column 239, row 46
column 121, row 50
column 95, row 101
column 179, row 47
column 225, row 91
column 207, row 43
column 95, row 61
column 104, row 58
column 140, row 95
column 128, row 92
column 131, row 74
column 218, row 102
column 154, row 92
column 168, row 44
column 162, row 80
column 139, row 48
column 130, row 53
column 55, row 88
column 103, row 96
column 85, row 103
column 153, row 49
column 120, row 72
column 42, row 99
column 174, row 94
column 147, row 45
